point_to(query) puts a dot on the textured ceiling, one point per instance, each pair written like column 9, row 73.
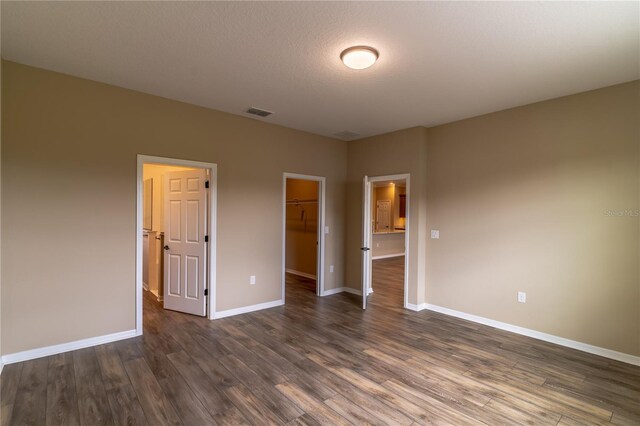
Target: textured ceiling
column 439, row 61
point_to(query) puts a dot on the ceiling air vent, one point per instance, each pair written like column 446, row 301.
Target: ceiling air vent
column 346, row 135
column 259, row 112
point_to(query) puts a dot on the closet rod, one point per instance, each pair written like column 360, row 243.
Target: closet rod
column 301, row 201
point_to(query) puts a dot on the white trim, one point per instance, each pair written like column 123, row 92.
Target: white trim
column 66, row 347
column 352, row 291
column 247, row 309
column 596, row 350
column 300, row 274
column 212, row 213
column 145, row 286
column 321, row 226
column 416, row 308
column 333, row 291
column 407, row 178
column 158, row 296
column 342, row 290
column 387, row 256
column 367, row 238
column 1, row 367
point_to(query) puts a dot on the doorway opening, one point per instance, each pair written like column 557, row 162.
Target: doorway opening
column 385, row 250
column 175, row 236
column 303, row 234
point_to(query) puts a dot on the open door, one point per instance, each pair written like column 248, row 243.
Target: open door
column 185, row 250
column 366, row 241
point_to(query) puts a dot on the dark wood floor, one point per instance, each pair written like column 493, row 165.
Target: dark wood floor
column 387, row 282
column 321, row 361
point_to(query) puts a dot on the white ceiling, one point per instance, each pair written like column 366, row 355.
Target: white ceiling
column 439, row 61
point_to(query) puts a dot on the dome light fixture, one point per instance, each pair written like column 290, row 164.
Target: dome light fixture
column 359, row 57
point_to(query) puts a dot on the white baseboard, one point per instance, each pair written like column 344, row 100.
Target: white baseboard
column 596, row 350
column 158, row 296
column 353, row 291
column 387, row 256
column 66, row 347
column 341, row 290
column 1, row 366
column 300, row 274
column 145, row 286
column 333, row 291
column 247, row 309
column 416, row 308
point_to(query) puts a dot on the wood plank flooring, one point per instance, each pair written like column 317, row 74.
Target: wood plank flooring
column 321, row 361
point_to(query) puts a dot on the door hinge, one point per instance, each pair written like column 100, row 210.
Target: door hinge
column 206, row 238
column 206, row 291
column 206, row 184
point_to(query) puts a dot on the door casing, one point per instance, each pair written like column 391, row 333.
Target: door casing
column 211, row 213
column 368, row 229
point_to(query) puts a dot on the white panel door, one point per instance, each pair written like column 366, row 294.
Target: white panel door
column 366, row 240
column 184, row 237
column 383, row 213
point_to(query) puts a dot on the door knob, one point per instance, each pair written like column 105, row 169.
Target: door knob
column 166, row 247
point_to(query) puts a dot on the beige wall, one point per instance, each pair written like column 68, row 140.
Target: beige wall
column 370, row 156
column 521, row 199
column 68, row 173
column 387, row 243
column 302, row 228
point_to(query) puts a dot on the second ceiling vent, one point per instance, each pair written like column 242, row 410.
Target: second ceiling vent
column 259, row 112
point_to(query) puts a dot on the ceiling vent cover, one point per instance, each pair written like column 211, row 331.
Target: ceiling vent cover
column 346, row 135
column 259, row 112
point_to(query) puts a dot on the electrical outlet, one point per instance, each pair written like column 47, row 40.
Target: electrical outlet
column 377, row 244
column 435, row 234
column 252, row 280
column 330, row 268
column 522, row 297
column 326, row 229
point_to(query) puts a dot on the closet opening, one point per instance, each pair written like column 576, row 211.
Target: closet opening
column 303, row 234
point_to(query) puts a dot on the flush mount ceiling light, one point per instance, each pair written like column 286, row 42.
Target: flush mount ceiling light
column 359, row 57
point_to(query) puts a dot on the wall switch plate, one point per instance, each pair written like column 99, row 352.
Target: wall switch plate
column 326, row 229
column 522, row 297
column 377, row 244
column 435, row 234
column 330, row 268
column 252, row 280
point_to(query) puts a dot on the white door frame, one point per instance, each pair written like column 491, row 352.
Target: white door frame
column 321, row 224
column 211, row 217
column 407, row 178
column 365, row 285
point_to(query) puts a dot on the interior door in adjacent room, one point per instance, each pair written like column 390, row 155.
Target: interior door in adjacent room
column 185, row 250
column 383, row 215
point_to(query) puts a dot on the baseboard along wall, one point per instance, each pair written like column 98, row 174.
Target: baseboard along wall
column 108, row 338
